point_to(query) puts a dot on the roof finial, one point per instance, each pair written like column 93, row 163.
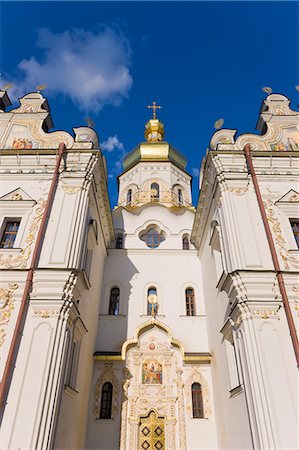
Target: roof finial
column 154, row 106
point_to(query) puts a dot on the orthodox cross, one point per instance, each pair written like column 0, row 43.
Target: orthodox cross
column 154, row 106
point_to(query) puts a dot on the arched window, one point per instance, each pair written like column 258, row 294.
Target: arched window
column 119, row 242
column 114, row 302
column 190, row 302
column 197, row 403
column 152, row 238
column 155, row 192
column 129, row 196
column 106, row 401
column 180, row 196
column 185, row 243
column 152, row 291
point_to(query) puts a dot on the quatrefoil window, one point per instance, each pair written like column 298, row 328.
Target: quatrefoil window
column 152, row 236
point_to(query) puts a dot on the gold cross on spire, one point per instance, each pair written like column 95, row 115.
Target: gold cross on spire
column 154, row 106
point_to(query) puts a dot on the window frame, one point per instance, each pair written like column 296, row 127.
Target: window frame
column 117, row 306
column 152, row 238
column 185, row 243
column 6, row 222
column 155, row 197
column 180, row 197
column 75, row 333
column 197, row 401
column 108, row 403
column 295, row 232
column 118, row 246
column 149, row 306
column 190, row 308
column 129, row 197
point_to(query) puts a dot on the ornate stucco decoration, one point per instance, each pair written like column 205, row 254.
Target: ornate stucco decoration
column 278, row 124
column 19, row 260
column 277, row 232
column 108, row 375
column 6, row 307
column 46, row 313
column 148, row 325
column 197, row 377
column 296, row 290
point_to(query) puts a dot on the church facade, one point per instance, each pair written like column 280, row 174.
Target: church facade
column 157, row 325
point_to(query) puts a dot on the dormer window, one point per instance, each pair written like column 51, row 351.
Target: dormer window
column 155, row 192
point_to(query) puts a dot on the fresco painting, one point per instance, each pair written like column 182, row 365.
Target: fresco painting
column 19, row 138
column 152, row 372
column 289, row 142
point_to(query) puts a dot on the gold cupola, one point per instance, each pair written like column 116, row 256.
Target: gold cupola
column 154, row 130
column 154, row 149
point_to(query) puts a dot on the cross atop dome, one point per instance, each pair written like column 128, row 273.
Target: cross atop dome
column 154, row 106
column 154, row 129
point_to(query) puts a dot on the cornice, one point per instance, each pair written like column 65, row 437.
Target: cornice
column 147, row 251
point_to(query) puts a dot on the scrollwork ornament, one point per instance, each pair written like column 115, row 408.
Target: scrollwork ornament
column 276, row 227
column 6, row 307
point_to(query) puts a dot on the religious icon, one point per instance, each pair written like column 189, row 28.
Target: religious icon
column 151, row 372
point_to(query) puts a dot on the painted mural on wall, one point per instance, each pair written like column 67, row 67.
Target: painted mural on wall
column 289, row 142
column 151, row 372
column 19, row 138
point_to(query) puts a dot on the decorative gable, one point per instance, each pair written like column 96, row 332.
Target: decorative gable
column 290, row 197
column 278, row 124
column 16, row 195
column 26, row 127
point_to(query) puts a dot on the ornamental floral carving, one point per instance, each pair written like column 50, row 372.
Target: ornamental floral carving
column 296, row 290
column 6, row 307
column 13, row 261
column 197, row 377
column 238, row 190
column 276, row 227
column 108, row 375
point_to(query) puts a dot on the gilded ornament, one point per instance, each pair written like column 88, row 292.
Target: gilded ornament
column 6, row 307
column 276, row 227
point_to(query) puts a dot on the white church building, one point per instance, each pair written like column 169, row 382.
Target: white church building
column 157, row 325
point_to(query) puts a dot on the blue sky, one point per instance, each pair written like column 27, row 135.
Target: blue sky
column 108, row 60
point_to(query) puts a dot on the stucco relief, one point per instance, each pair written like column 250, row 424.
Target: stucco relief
column 6, row 307
column 296, row 290
column 14, row 261
column 277, row 232
column 108, row 375
column 197, row 377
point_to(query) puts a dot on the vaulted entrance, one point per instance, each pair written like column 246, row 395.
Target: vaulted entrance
column 152, row 432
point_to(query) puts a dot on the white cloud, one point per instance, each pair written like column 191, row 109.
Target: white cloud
column 91, row 68
column 112, row 143
column 195, row 172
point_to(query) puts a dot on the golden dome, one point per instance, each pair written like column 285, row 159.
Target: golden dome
column 155, row 149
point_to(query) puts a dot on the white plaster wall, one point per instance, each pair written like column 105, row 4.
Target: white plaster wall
column 233, row 430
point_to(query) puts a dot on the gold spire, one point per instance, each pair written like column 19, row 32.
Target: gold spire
column 154, row 129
